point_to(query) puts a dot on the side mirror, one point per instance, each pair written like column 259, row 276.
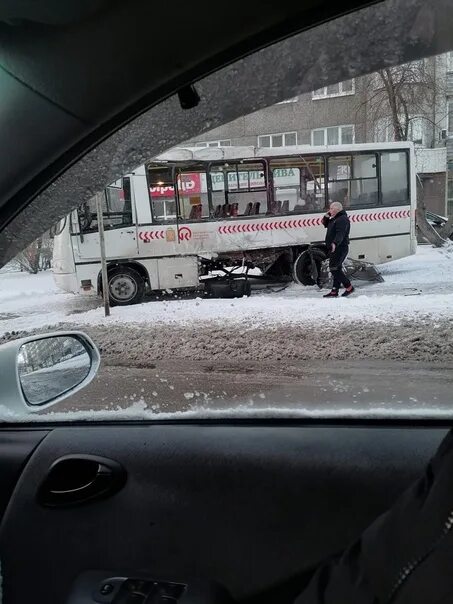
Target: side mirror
column 42, row 370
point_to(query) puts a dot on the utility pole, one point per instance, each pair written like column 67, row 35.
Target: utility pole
column 105, row 283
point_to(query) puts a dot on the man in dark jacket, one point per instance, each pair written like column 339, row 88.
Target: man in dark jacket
column 404, row 557
column 338, row 226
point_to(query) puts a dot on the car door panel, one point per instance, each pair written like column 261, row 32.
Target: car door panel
column 15, row 449
column 245, row 506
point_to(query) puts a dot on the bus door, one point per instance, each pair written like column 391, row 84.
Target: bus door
column 119, row 214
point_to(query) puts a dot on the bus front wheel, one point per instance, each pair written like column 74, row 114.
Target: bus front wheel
column 126, row 286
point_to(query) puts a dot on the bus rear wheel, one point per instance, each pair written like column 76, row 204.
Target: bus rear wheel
column 309, row 267
column 126, row 286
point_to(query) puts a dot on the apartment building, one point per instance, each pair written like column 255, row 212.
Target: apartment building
column 357, row 111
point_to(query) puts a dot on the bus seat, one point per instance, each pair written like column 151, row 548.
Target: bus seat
column 272, row 208
column 234, row 209
column 196, row 212
column 256, row 207
column 285, row 207
column 248, row 209
column 279, row 206
column 310, row 202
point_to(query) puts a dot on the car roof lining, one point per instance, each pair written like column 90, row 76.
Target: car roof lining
column 407, row 29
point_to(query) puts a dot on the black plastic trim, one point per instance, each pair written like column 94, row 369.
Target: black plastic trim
column 100, row 133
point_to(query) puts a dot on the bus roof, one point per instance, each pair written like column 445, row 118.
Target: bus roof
column 219, row 153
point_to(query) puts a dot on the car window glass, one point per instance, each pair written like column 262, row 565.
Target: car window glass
column 220, row 250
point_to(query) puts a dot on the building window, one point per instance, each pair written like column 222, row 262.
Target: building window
column 340, row 89
column 285, row 139
column 450, row 117
column 416, row 131
column 450, row 61
column 222, row 143
column 384, row 131
column 333, row 135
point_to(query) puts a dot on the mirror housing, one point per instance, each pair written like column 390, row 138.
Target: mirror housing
column 39, row 371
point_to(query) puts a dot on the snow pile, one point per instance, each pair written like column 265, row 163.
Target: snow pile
column 33, row 301
column 141, row 411
column 296, row 306
column 141, row 345
column 23, row 287
column 415, row 288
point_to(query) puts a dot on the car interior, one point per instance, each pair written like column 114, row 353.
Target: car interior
column 182, row 510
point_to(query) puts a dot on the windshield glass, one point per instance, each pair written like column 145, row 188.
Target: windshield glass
column 294, row 262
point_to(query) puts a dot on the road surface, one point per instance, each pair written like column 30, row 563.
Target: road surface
column 183, row 385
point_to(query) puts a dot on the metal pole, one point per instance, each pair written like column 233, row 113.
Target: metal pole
column 175, row 175
column 105, row 286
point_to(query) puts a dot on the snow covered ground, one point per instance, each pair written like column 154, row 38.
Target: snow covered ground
column 416, row 287
column 387, row 350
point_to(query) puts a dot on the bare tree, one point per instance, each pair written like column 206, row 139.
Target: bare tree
column 45, row 260
column 29, row 258
column 37, row 256
column 396, row 99
column 399, row 99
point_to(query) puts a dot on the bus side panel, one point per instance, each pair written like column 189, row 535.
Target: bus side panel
column 89, row 273
column 236, row 235
column 366, row 250
column 151, row 267
column 63, row 266
column 87, row 278
column 379, row 250
column 392, row 248
column 211, row 237
column 413, row 193
column 119, row 243
column 66, row 281
column 178, row 272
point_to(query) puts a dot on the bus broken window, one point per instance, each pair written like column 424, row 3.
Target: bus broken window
column 193, row 195
column 239, row 189
column 162, row 194
column 298, row 185
column 116, row 208
column 353, row 180
column 394, row 170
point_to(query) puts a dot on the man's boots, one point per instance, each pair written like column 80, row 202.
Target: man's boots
column 347, row 292
column 332, row 294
